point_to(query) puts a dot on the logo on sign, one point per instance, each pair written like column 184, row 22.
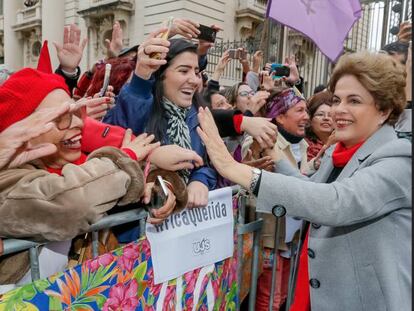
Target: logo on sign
column 201, row 247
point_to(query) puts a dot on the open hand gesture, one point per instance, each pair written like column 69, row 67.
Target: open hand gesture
column 114, row 46
column 70, row 53
column 257, row 60
column 142, row 145
column 294, row 72
column 15, row 145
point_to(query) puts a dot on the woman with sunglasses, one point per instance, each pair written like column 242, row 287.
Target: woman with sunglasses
column 359, row 202
column 60, row 194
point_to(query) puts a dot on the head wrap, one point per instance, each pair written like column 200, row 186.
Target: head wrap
column 282, row 102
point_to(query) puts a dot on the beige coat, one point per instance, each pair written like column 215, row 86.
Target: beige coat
column 283, row 151
column 39, row 205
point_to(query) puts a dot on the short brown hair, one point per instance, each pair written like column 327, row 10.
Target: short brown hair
column 317, row 100
column 314, row 102
column 232, row 92
column 380, row 74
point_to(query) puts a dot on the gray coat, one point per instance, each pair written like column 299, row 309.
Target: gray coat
column 360, row 236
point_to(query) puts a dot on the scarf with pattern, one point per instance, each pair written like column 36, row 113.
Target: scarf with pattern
column 178, row 132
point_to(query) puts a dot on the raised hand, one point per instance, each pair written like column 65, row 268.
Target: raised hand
column 209, row 134
column 141, row 145
column 203, row 47
column 261, row 129
column 174, row 158
column 185, row 27
column 294, row 73
column 114, row 46
column 99, row 107
column 146, row 66
column 223, row 61
column 221, row 65
column 257, row 101
column 15, row 146
column 266, row 81
column 70, row 52
column 257, row 60
column 243, row 60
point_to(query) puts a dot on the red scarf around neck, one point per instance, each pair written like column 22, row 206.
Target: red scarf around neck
column 342, row 155
column 81, row 160
column 301, row 302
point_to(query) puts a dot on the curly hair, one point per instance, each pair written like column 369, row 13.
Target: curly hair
column 314, row 102
column 381, row 76
column 121, row 70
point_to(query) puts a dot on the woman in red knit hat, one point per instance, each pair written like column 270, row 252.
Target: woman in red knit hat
column 55, row 197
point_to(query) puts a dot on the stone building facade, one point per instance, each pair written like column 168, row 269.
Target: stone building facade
column 24, row 24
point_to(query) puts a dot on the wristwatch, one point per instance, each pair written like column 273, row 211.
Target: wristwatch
column 255, row 178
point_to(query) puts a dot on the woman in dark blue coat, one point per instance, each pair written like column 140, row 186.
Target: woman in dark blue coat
column 160, row 100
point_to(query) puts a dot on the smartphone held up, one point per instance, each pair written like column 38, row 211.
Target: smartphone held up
column 207, row 33
column 237, row 53
column 278, row 71
column 168, row 24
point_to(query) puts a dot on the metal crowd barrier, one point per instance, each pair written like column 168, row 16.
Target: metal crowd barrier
column 294, row 250
column 243, row 228
column 139, row 214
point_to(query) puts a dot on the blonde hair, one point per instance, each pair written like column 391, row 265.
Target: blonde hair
column 381, row 76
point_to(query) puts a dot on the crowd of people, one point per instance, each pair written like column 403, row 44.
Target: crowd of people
column 337, row 163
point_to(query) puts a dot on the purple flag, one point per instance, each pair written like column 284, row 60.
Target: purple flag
column 325, row 22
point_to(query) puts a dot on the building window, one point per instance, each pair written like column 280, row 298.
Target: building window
column 29, row 3
column 36, row 48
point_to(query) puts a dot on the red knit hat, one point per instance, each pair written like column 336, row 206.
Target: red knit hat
column 23, row 92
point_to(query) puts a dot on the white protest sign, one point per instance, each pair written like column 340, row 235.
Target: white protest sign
column 193, row 238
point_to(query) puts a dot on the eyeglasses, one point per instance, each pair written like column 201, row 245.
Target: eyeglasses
column 322, row 115
column 65, row 121
column 246, row 93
